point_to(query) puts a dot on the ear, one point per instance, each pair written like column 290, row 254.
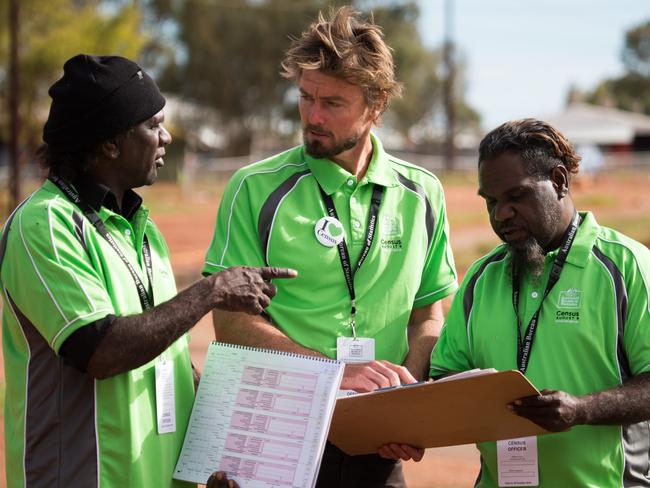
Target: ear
column 378, row 108
column 560, row 180
column 110, row 149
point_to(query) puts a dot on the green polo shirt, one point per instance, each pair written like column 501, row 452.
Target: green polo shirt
column 268, row 216
column 593, row 334
column 63, row 427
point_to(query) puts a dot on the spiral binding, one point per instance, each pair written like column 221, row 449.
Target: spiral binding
column 275, row 351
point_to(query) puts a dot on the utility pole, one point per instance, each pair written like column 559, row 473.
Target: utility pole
column 449, row 60
column 14, row 97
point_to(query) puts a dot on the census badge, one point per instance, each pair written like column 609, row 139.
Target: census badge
column 329, row 231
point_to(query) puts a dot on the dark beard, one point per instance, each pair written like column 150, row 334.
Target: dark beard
column 528, row 258
column 317, row 150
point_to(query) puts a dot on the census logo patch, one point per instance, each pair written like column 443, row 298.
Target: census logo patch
column 390, row 226
column 570, row 298
column 569, row 302
column 390, row 230
column 329, row 231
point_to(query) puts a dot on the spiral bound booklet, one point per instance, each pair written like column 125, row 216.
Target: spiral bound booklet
column 262, row 416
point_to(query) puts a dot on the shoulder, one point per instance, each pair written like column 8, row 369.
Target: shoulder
column 496, row 257
column 627, row 254
column 42, row 209
column 278, row 166
column 414, row 172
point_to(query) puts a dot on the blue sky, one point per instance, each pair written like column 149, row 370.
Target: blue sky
column 522, row 56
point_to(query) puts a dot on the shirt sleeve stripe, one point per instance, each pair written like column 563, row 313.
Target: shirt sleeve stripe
column 232, row 203
column 22, row 237
column 58, row 259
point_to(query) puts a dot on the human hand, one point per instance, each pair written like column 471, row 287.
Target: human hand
column 365, row 377
column 246, row 289
column 219, row 479
column 553, row 410
column 401, row 451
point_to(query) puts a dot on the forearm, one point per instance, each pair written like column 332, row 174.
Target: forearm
column 134, row 340
column 254, row 331
column 424, row 329
column 627, row 404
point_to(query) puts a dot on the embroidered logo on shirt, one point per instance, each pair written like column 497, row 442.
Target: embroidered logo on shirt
column 391, row 231
column 570, row 299
column 390, row 226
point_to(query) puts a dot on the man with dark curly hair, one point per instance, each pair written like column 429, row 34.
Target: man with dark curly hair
column 566, row 302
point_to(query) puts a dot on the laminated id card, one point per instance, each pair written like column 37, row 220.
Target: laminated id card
column 355, row 349
column 517, row 460
column 165, row 403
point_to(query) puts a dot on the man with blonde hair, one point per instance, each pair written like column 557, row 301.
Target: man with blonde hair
column 366, row 231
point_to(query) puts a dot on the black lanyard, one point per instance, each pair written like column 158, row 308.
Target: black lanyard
column 146, row 299
column 344, row 255
column 524, row 346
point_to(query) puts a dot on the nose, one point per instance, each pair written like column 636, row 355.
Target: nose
column 164, row 137
column 315, row 114
column 503, row 212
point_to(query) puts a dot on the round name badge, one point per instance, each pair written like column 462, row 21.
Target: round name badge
column 329, row 231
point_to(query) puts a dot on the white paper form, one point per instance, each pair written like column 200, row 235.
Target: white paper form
column 261, row 416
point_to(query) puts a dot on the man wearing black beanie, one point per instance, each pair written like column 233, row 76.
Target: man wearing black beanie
column 99, row 379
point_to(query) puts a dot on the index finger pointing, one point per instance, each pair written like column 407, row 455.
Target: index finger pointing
column 269, row 273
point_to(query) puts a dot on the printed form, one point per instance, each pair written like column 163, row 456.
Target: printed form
column 261, row 416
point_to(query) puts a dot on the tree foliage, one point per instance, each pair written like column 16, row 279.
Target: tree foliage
column 632, row 90
column 230, row 51
column 51, row 31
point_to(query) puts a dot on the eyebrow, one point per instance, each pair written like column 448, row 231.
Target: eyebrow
column 514, row 189
column 337, row 98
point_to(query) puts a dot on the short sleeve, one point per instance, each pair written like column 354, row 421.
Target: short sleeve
column 49, row 276
column 236, row 240
column 637, row 321
column 439, row 277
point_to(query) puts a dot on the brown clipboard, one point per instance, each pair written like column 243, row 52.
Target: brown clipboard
column 448, row 413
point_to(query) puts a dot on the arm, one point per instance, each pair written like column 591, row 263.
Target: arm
column 424, row 328
column 137, row 339
column 248, row 330
column 557, row 410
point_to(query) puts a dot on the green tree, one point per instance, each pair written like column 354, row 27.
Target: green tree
column 632, row 90
column 229, row 52
column 52, row 31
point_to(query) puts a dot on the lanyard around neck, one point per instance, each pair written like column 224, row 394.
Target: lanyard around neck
column 524, row 346
column 344, row 255
column 146, row 299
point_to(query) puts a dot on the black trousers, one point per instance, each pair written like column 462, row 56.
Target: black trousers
column 338, row 470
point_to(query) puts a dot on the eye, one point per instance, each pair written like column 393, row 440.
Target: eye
column 333, row 104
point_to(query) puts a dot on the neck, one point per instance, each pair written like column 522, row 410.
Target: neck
column 111, row 182
column 357, row 159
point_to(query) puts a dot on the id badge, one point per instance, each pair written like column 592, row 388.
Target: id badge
column 517, row 460
column 165, row 402
column 355, row 349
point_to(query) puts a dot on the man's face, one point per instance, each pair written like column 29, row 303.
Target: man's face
column 333, row 112
column 524, row 210
column 141, row 152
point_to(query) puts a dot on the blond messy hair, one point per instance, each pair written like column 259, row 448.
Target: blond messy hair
column 346, row 47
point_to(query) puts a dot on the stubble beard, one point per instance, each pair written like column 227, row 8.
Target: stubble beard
column 316, row 149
